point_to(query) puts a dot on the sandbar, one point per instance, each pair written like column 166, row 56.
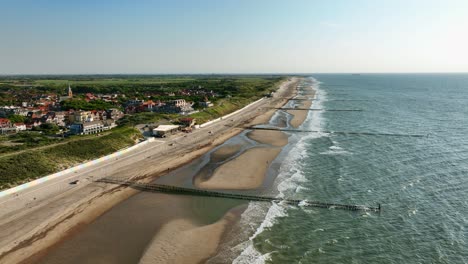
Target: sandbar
column 247, row 171
column 271, row 137
column 182, row 241
column 299, row 116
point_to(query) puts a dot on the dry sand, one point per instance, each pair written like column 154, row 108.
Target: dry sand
column 300, row 115
column 283, row 93
column 244, row 172
column 90, row 206
column 181, row 241
column 255, row 162
column 274, row 138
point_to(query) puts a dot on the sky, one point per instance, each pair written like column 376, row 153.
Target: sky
column 242, row 36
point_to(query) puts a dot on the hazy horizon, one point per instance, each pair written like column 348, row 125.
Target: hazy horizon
column 232, row 37
column 228, row 73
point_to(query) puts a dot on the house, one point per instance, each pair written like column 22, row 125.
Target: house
column 109, row 123
column 47, row 118
column 179, row 106
column 98, row 115
column 206, row 103
column 34, row 122
column 57, row 118
column 87, row 128
column 114, row 113
column 187, row 122
column 147, row 106
column 19, row 127
column 60, row 118
column 5, row 122
column 133, row 106
column 81, row 116
column 9, row 110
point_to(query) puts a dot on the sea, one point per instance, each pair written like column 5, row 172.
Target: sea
column 408, row 152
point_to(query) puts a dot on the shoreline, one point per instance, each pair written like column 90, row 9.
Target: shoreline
column 232, row 234
column 97, row 200
column 299, row 116
column 245, row 171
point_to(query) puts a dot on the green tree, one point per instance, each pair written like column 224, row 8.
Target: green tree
column 17, row 119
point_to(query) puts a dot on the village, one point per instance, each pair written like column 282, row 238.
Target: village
column 57, row 115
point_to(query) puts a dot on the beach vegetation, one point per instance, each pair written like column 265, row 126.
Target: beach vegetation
column 29, row 165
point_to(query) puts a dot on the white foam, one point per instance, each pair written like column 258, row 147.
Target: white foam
column 335, row 148
column 289, row 180
column 274, row 212
column 251, row 255
column 336, row 152
column 301, row 188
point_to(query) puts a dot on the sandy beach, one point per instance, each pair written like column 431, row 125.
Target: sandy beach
column 274, row 138
column 182, row 241
column 244, row 172
column 248, row 170
column 300, row 115
column 224, row 152
column 64, row 216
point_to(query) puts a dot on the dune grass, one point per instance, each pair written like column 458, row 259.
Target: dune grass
column 27, row 166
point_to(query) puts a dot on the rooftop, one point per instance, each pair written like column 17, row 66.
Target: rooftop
column 164, row 128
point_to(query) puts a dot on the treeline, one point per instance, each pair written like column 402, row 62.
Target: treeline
column 77, row 104
column 243, row 86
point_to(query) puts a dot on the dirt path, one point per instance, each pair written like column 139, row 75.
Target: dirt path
column 48, row 146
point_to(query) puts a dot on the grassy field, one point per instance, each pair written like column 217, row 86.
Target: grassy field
column 27, row 166
column 222, row 107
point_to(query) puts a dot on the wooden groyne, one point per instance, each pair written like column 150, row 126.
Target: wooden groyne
column 336, row 132
column 189, row 191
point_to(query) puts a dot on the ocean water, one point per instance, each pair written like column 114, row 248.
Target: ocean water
column 422, row 183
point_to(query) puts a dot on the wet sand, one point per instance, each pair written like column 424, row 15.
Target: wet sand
column 125, row 233
column 225, row 152
column 139, row 228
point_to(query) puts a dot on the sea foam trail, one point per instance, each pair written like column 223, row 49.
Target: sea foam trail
column 288, row 181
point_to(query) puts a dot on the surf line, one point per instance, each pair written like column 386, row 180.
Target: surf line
column 315, row 109
column 335, row 100
column 337, row 132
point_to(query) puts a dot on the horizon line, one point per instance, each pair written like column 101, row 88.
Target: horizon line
column 238, row 73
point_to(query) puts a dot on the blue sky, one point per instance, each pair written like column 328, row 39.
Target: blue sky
column 256, row 36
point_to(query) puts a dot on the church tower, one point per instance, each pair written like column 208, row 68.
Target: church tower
column 70, row 93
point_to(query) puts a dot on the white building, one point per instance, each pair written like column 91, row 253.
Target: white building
column 163, row 130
